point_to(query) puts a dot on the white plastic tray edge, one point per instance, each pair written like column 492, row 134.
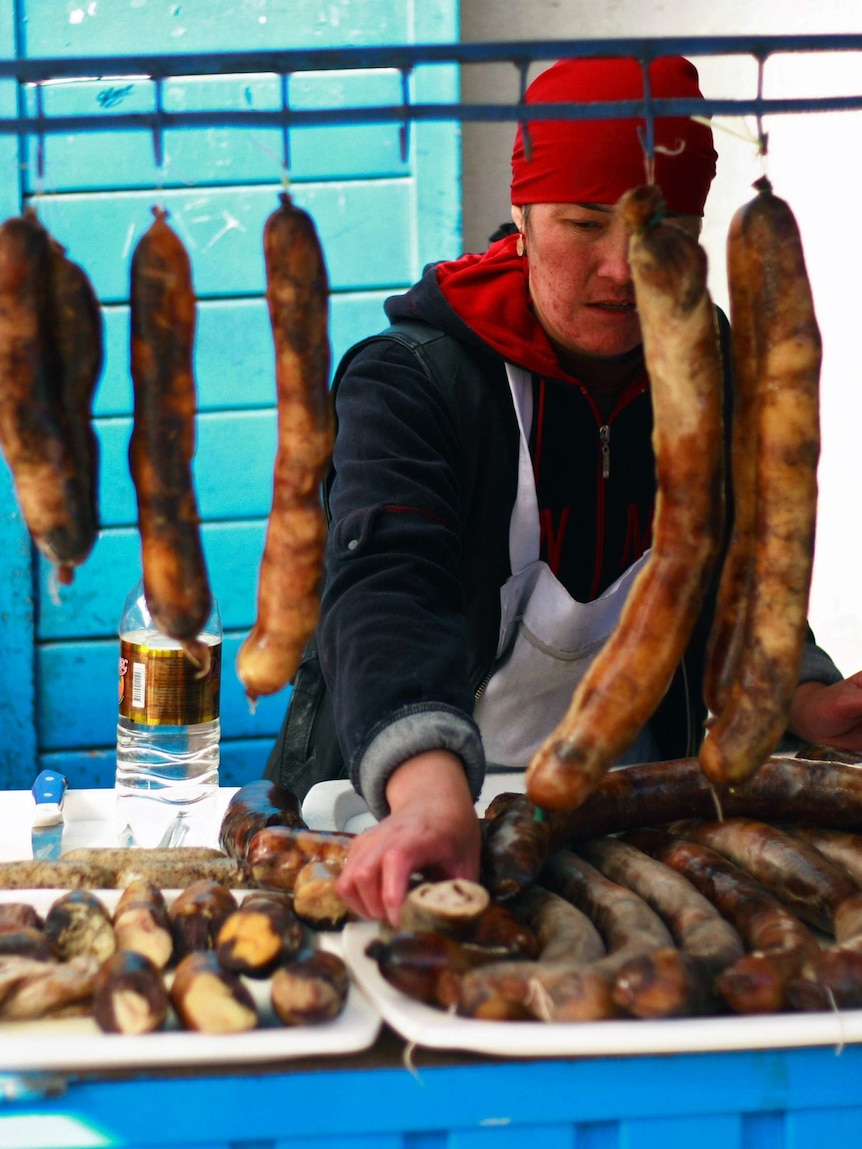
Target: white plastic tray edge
column 436, row 1029
column 77, row 1043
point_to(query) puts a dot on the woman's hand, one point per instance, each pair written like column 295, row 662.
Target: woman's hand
column 829, row 715
column 432, row 829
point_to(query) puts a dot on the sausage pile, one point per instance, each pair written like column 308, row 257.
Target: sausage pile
column 643, row 904
column 151, row 962
column 760, row 623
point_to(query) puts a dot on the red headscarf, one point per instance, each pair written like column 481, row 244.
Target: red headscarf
column 595, row 161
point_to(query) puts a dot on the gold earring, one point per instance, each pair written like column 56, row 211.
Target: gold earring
column 520, row 246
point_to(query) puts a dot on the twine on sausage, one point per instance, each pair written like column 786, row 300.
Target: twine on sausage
column 407, row 1060
column 842, row 1041
column 716, row 801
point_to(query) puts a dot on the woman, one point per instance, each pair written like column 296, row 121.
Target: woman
column 493, row 485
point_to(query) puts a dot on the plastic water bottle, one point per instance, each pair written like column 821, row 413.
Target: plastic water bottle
column 167, row 734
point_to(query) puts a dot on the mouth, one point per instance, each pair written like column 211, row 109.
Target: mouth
column 622, row 305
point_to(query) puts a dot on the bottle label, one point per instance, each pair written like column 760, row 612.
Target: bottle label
column 158, row 687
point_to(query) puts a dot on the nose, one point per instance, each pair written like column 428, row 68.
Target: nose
column 614, row 255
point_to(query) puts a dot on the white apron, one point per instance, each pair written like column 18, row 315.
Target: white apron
column 547, row 638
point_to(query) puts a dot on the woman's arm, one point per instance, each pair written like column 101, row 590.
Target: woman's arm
column 432, row 828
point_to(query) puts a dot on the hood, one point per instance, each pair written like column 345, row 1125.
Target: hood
column 484, row 300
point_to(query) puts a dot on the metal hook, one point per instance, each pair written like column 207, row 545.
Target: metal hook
column 526, row 138
column 158, row 141
column 404, row 130
column 285, row 128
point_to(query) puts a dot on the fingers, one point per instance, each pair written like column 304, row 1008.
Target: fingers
column 382, row 861
column 376, row 877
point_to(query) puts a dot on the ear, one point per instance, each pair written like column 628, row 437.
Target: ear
column 518, row 216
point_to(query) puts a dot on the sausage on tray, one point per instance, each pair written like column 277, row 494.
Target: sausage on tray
column 451, row 907
column 276, row 854
column 516, row 842
column 500, row 928
column 297, row 292
column 787, row 351
column 798, row 875
column 631, row 673
column 129, row 995
column 26, row 941
column 315, row 898
column 254, row 806
column 142, row 924
column 263, row 933
column 426, row 966
column 832, row 979
column 784, row 790
column 209, row 999
column 668, row 982
column 779, row 944
column 31, row 990
column 174, row 867
column 162, row 444
column 19, row 914
column 629, row 928
column 179, row 873
column 79, row 923
column 197, row 914
column 842, row 847
column 507, row 990
column 311, row 989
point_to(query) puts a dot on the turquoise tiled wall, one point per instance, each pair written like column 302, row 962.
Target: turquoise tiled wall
column 381, row 217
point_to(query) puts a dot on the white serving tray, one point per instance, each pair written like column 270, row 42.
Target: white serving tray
column 76, row 1043
column 436, row 1029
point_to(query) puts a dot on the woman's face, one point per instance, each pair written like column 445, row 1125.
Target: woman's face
column 580, row 282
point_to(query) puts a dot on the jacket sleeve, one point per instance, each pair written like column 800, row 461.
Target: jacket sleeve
column 392, row 628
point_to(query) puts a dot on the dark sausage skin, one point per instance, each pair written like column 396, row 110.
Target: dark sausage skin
column 756, row 708
column 796, row 873
column 778, row 942
column 667, row 982
column 631, row 673
column 784, row 790
column 276, row 854
column 254, row 806
column 35, row 436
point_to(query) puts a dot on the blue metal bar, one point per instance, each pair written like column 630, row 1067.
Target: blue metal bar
column 407, row 56
column 398, row 113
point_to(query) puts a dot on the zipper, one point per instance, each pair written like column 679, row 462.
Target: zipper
column 605, row 441
column 629, row 395
column 480, row 689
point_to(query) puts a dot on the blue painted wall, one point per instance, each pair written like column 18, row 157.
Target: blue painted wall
column 380, row 217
